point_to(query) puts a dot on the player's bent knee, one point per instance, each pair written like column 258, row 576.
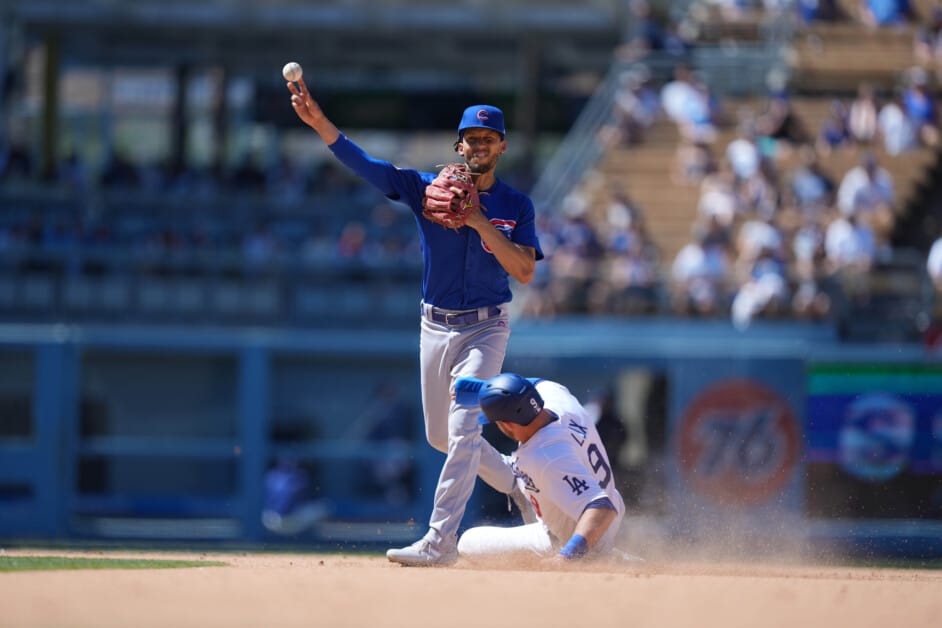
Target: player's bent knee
column 439, row 443
column 473, row 543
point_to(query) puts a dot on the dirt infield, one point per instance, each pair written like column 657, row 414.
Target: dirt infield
column 336, row 591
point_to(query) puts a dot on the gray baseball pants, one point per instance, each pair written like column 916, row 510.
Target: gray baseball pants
column 446, row 354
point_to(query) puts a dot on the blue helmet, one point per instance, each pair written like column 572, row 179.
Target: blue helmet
column 510, row 397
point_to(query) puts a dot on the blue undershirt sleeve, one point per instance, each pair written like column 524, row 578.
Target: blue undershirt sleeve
column 602, row 502
column 375, row 171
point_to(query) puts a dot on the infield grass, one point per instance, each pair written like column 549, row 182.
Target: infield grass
column 52, row 563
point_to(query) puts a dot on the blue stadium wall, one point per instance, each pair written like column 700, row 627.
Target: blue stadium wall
column 141, row 434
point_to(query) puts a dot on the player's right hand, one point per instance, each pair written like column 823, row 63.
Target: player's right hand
column 305, row 106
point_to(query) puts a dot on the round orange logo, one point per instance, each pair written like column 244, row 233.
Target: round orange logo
column 738, row 443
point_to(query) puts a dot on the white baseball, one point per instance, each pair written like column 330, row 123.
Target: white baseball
column 292, row 71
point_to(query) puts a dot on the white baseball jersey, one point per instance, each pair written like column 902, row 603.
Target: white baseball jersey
column 564, row 466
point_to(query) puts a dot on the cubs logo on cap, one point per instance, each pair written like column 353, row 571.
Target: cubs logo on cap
column 482, row 117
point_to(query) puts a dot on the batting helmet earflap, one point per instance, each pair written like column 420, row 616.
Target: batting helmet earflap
column 510, row 397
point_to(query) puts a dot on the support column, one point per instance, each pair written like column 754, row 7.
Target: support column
column 220, row 119
column 50, row 116
column 528, row 102
column 6, row 27
column 178, row 120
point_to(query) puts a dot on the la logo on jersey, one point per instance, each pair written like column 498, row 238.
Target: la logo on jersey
column 504, row 226
column 577, row 485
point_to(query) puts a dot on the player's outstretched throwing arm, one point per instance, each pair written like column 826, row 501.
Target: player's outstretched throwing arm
column 310, row 112
column 381, row 174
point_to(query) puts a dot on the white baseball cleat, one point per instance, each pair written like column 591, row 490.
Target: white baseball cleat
column 423, row 554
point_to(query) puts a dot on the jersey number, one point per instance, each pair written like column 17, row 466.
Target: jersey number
column 597, row 460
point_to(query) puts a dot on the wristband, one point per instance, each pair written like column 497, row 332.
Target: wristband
column 576, row 548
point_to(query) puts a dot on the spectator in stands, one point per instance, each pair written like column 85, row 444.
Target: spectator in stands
column 715, row 233
column 927, row 41
column 759, row 194
column 764, row 292
column 248, row 176
column 850, row 252
column 536, row 298
column 920, row 107
column 780, row 128
column 693, row 161
column 700, row 276
column 895, row 128
column 814, row 294
column 575, row 259
column 742, row 152
column 933, row 334
column 635, row 108
column 73, row 174
column 926, row 36
column 867, row 193
column 756, row 237
column 934, row 264
column 812, row 188
column 622, row 213
column 817, row 10
column 718, row 197
column 834, row 133
column 120, row 172
column 630, row 278
column 650, row 30
column 16, row 163
column 882, row 13
column 687, row 101
column 862, row 115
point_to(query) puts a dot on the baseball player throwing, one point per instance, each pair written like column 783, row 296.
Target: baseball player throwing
column 467, row 265
column 560, row 463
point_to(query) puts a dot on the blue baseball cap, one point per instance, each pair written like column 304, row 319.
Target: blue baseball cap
column 482, row 117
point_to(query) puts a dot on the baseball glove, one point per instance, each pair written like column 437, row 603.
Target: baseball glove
column 451, row 196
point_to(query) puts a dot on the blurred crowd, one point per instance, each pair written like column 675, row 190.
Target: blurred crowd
column 781, row 227
column 255, row 216
column 776, row 230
